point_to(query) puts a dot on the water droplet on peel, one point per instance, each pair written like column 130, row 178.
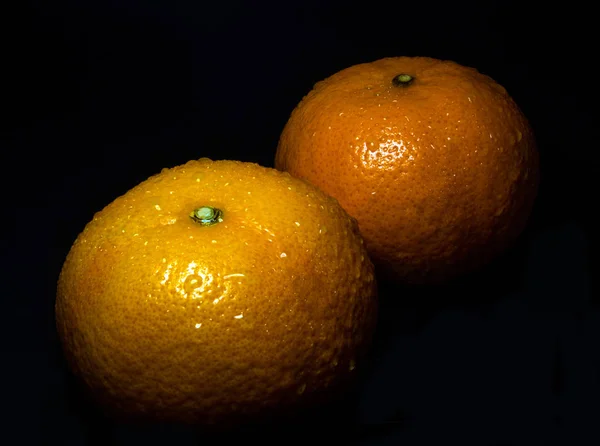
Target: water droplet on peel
column 198, row 325
column 191, row 283
column 239, row 316
column 167, row 220
column 283, row 255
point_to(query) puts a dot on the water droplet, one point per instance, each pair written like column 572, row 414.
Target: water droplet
column 198, row 325
column 157, row 207
column 167, row 220
column 283, row 255
column 192, row 283
column 239, row 316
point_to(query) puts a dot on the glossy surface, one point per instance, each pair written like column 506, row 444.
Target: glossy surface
column 164, row 317
column 441, row 173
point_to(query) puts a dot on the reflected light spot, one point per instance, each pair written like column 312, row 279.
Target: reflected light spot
column 387, row 154
column 167, row 273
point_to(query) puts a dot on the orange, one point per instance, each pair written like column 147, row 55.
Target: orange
column 213, row 292
column 434, row 159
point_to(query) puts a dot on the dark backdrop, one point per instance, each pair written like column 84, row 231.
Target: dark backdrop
column 101, row 94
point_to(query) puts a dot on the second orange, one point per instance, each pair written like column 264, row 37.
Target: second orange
column 434, row 159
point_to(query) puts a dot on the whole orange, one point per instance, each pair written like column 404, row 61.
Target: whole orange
column 434, row 159
column 216, row 291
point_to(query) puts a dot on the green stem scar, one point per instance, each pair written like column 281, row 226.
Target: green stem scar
column 207, row 215
column 402, row 80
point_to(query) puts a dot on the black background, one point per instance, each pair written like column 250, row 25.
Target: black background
column 102, row 94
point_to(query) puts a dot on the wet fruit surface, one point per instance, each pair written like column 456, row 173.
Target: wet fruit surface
column 216, row 290
column 435, row 161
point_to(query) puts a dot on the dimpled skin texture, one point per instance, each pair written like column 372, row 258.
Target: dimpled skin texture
column 441, row 173
column 164, row 318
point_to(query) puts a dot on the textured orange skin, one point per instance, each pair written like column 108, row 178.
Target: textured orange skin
column 166, row 319
column 441, row 174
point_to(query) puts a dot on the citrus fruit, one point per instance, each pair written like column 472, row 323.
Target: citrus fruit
column 434, row 159
column 213, row 292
